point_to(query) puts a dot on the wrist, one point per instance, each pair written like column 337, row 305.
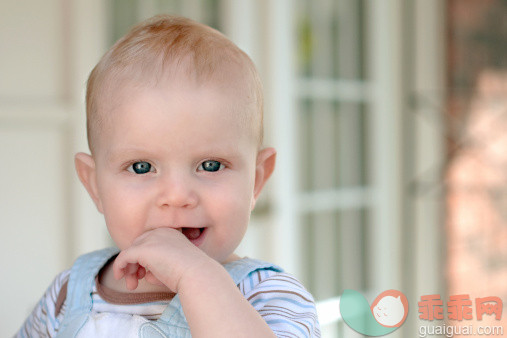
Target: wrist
column 202, row 277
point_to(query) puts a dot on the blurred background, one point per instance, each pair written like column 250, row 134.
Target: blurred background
column 389, row 117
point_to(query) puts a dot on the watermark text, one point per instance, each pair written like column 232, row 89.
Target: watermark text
column 451, row 330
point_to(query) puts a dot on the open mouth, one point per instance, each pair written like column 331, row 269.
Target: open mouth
column 194, row 235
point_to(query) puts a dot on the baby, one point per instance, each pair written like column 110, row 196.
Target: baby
column 174, row 121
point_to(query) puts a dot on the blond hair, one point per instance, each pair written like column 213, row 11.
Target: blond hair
column 165, row 43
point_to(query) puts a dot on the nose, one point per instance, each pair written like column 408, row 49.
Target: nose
column 176, row 191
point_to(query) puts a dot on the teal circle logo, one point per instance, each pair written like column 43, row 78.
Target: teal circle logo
column 387, row 312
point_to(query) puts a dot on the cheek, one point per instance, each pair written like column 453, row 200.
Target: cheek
column 229, row 211
column 231, row 201
column 229, row 216
column 116, row 200
column 124, row 211
column 120, row 194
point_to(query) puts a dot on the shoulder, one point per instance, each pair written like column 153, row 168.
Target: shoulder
column 54, row 297
column 283, row 302
column 44, row 320
column 261, row 285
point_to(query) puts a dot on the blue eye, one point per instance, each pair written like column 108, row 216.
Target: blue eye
column 141, row 167
column 211, row 165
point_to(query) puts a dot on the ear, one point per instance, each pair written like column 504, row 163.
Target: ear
column 85, row 167
column 266, row 159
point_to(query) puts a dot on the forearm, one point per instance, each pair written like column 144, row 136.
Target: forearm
column 214, row 306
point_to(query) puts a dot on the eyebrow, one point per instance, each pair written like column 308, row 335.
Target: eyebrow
column 138, row 153
column 119, row 153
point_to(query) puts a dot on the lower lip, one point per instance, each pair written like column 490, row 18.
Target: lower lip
column 198, row 241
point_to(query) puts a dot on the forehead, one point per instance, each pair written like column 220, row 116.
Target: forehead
column 176, row 116
column 233, row 90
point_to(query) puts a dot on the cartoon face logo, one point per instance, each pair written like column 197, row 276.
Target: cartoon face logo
column 390, row 308
column 386, row 314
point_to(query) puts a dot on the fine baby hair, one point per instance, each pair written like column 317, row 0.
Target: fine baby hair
column 161, row 47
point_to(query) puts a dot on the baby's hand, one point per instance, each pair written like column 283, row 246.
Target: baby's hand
column 162, row 256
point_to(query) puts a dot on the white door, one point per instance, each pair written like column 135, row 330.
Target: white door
column 44, row 48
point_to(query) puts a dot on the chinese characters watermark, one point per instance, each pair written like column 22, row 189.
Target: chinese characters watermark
column 459, row 307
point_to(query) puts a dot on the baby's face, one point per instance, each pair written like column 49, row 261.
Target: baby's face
column 178, row 156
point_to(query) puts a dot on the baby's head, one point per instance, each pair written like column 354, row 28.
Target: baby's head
column 174, row 117
column 173, row 49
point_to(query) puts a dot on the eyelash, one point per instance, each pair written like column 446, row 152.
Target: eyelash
column 130, row 169
column 221, row 167
column 129, row 166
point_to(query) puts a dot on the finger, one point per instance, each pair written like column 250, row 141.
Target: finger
column 122, row 264
column 141, row 272
column 118, row 273
column 132, row 269
column 131, row 281
column 119, row 268
column 131, row 275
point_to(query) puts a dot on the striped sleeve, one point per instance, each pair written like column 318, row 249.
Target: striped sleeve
column 283, row 302
column 43, row 322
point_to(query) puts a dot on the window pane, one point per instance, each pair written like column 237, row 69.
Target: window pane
column 333, row 144
column 335, row 246
column 331, row 37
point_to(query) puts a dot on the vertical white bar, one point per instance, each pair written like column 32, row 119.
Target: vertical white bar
column 349, row 141
column 281, row 72
column 89, row 41
column 385, row 59
column 429, row 81
column 323, row 155
column 242, row 25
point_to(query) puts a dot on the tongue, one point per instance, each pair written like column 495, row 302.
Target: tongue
column 191, row 233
